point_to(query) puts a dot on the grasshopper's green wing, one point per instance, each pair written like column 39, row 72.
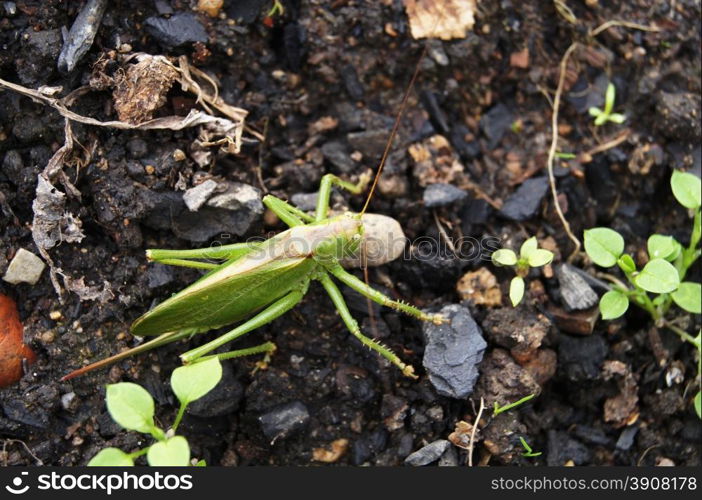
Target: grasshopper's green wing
column 225, row 295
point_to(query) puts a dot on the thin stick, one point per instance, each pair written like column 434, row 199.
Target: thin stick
column 472, row 434
column 395, row 127
column 554, row 147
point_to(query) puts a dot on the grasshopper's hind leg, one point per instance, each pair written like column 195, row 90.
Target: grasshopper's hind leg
column 352, row 325
column 367, row 291
column 277, row 308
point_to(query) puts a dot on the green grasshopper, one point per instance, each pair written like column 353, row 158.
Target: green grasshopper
column 260, row 282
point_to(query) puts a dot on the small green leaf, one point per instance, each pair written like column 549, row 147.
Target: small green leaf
column 516, row 290
column 174, row 452
column 540, row 257
column 201, row 463
column 595, row 111
column 686, row 188
column 660, row 246
column 504, row 257
column 191, row 382
column 658, row 276
column 613, row 304
column 617, row 118
column 626, row 263
column 528, row 247
column 610, row 96
column 603, row 245
column 111, row 457
column 689, row 297
column 698, row 404
column 131, row 406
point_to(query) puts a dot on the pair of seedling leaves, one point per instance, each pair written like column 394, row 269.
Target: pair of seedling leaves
column 132, row 407
column 530, row 255
column 665, row 271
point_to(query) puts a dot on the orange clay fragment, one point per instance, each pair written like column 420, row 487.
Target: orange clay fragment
column 12, row 348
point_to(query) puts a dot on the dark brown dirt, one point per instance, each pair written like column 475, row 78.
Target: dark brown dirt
column 350, row 60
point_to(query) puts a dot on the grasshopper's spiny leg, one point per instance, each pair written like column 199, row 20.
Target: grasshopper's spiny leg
column 325, row 186
column 367, row 291
column 292, row 216
column 352, row 325
column 277, row 308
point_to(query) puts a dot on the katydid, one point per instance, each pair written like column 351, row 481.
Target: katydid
column 257, row 283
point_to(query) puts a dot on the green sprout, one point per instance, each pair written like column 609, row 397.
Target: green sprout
column 529, row 256
column 529, row 452
column 499, row 409
column 664, row 273
column 277, row 8
column 132, row 407
column 606, row 115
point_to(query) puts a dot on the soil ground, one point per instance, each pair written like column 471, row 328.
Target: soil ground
column 478, row 117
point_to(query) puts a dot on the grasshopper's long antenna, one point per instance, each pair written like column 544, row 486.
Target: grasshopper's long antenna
column 395, row 127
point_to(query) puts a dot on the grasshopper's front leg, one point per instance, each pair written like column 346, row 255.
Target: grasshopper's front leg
column 352, row 325
column 325, row 187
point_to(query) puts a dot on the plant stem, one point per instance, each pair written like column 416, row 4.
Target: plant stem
column 139, row 453
column 681, row 333
column 179, row 417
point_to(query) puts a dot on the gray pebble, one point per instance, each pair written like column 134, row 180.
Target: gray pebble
column 283, row 420
column 439, row 195
column 428, row 454
column 180, row 29
column 80, row 37
column 453, row 352
column 196, row 196
column 525, row 201
column 25, row 267
column 575, row 291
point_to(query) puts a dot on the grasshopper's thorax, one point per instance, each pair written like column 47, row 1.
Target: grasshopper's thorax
column 333, row 238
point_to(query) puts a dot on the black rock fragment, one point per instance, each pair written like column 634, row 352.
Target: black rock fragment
column 524, row 202
column 80, row 37
column 428, row 454
column 283, row 420
column 580, row 358
column 495, row 123
column 453, row 352
column 176, row 31
column 440, row 194
column 562, row 449
column 576, row 293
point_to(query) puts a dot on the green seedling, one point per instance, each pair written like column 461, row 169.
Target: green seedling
column 529, row 453
column 664, row 273
column 258, row 282
column 132, row 407
column 497, row 409
column 605, row 115
column 530, row 255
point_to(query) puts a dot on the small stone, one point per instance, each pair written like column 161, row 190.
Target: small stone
column 332, row 454
column 81, row 35
column 495, row 123
column 575, row 291
column 503, row 381
column 439, row 195
column 69, row 402
column 55, row 315
column 178, row 30
column 283, row 420
column 25, row 267
column 525, row 201
column 626, row 438
column 562, row 448
column 453, row 352
column 306, row 202
column 480, row 288
column 428, row 454
column 517, row 329
column 196, row 196
column 581, row 358
column 576, row 322
column 337, row 153
column 383, row 241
